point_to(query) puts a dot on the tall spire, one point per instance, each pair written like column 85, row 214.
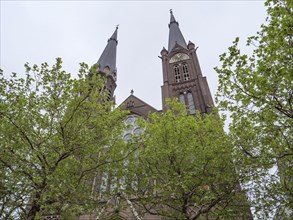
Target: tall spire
column 108, row 57
column 175, row 35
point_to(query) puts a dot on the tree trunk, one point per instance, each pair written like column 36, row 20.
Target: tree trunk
column 35, row 207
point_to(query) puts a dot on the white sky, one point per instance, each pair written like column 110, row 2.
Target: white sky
column 77, row 31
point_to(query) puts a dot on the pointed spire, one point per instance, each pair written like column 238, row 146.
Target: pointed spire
column 114, row 35
column 108, row 57
column 175, row 35
column 172, row 18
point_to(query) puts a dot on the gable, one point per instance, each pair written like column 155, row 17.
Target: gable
column 137, row 106
column 177, row 47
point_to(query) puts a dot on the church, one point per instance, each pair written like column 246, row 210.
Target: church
column 182, row 79
column 182, row 76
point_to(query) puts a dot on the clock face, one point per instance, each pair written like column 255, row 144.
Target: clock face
column 179, row 57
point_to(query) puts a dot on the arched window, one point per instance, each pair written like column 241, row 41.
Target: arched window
column 109, row 94
column 104, row 182
column 177, row 74
column 190, row 103
column 181, row 98
column 185, row 72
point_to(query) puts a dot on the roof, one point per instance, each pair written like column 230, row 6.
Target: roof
column 108, row 57
column 175, row 35
column 137, row 106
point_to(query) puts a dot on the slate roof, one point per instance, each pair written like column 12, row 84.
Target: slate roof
column 175, row 35
column 108, row 57
column 137, row 106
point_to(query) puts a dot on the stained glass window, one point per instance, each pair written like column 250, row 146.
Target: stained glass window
column 181, row 98
column 190, row 103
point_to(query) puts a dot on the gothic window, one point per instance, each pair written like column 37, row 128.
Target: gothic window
column 130, row 104
column 177, row 74
column 138, row 130
column 127, row 137
column 132, row 129
column 104, row 182
column 109, row 95
column 190, row 103
column 114, row 182
column 181, row 98
column 186, row 76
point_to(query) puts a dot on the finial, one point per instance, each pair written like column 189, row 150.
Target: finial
column 117, row 26
column 131, row 92
column 171, row 11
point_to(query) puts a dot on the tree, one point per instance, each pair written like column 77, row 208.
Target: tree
column 257, row 90
column 56, row 132
column 184, row 168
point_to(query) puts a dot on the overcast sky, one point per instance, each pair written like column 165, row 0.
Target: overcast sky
column 77, row 31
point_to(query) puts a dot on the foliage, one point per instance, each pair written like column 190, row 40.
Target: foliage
column 257, row 90
column 184, row 168
column 56, row 132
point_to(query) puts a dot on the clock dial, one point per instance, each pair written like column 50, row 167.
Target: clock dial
column 179, row 57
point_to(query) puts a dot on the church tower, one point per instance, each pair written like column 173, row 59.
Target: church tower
column 107, row 64
column 182, row 76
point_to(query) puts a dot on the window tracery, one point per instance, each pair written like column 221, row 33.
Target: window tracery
column 190, row 103
column 181, row 98
column 132, row 129
column 186, row 75
column 177, row 74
